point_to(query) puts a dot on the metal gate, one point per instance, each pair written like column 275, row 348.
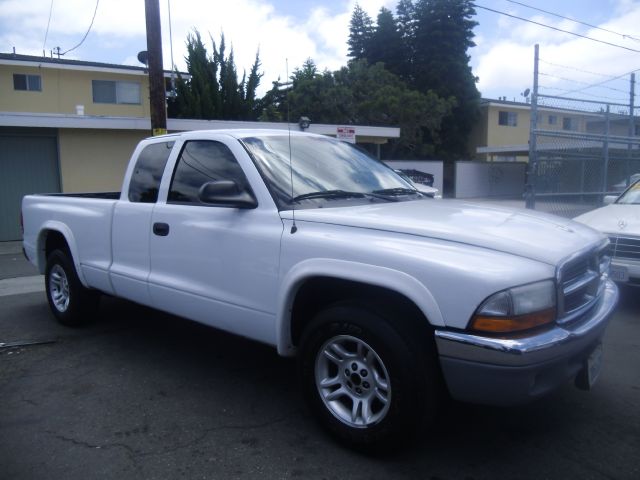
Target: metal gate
column 28, row 164
column 580, row 150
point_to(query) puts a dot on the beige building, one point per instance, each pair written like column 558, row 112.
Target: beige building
column 502, row 133
column 71, row 126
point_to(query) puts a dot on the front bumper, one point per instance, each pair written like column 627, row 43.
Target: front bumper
column 498, row 371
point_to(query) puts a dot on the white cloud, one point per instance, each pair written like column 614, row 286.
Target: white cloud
column 504, row 64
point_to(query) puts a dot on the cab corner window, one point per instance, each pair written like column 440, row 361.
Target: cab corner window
column 203, row 161
column 147, row 174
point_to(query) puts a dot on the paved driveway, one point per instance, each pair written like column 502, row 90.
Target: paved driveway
column 140, row 394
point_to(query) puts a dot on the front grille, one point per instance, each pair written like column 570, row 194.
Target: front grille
column 580, row 283
column 624, row 247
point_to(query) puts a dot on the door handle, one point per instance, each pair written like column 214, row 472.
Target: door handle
column 161, row 229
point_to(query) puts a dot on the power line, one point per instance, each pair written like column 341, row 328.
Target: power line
column 617, row 100
column 88, row 30
column 46, row 34
column 575, row 21
column 556, row 28
column 598, row 84
column 588, row 85
column 576, row 69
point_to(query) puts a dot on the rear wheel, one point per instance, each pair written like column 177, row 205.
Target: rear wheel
column 70, row 302
column 365, row 380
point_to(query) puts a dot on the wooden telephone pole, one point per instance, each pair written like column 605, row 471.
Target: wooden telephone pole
column 157, row 96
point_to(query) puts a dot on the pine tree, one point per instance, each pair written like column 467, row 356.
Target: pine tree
column 360, row 32
column 443, row 34
column 406, row 15
column 386, row 43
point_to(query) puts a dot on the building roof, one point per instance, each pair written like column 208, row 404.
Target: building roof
column 67, row 64
column 56, row 120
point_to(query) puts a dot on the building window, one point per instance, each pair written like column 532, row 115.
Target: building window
column 27, row 82
column 111, row 91
column 569, row 123
column 509, row 119
column 553, row 120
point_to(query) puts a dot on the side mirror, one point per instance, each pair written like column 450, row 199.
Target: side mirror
column 609, row 199
column 226, row 193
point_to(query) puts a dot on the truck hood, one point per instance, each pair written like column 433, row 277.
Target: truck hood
column 526, row 233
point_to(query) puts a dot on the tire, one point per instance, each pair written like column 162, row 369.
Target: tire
column 366, row 380
column 70, row 302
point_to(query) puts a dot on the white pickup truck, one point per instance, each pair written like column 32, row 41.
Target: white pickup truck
column 389, row 298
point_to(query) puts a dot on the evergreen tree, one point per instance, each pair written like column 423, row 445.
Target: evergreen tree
column 360, row 32
column 386, row 44
column 212, row 90
column 443, row 34
column 406, row 14
column 250, row 111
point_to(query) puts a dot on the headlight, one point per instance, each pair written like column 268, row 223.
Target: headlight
column 517, row 309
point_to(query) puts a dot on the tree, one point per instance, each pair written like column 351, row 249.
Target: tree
column 360, row 32
column 386, row 44
column 212, row 90
column 366, row 95
column 443, row 32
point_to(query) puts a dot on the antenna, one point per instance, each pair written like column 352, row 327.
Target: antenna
column 294, row 228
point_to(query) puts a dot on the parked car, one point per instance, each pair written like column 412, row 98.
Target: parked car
column 621, row 186
column 418, row 176
column 421, row 187
column 307, row 244
column 620, row 220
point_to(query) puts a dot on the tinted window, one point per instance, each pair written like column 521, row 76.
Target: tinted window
column 110, row 91
column 27, row 82
column 145, row 180
column 201, row 162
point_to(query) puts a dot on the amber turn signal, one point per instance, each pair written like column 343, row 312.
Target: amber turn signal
column 490, row 324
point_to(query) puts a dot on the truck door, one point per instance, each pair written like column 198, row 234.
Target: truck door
column 216, row 264
column 132, row 223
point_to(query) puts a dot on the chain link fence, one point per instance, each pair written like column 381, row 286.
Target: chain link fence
column 580, row 149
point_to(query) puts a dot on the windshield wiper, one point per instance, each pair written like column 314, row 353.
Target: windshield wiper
column 328, row 194
column 397, row 191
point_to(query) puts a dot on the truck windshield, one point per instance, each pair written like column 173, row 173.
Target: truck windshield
column 324, row 170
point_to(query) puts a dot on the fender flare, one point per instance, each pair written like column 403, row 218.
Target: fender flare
column 65, row 231
column 374, row 275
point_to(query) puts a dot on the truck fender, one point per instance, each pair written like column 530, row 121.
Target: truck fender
column 65, row 231
column 345, row 270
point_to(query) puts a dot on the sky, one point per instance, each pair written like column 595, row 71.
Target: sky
column 290, row 31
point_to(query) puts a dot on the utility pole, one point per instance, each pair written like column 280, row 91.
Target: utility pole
column 632, row 126
column 157, row 97
column 530, row 194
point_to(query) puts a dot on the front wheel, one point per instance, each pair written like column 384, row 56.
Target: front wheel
column 365, row 380
column 70, row 302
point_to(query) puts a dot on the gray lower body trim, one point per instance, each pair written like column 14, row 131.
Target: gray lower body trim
column 500, row 371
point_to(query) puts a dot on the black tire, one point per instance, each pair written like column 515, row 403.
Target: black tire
column 413, row 382
column 70, row 302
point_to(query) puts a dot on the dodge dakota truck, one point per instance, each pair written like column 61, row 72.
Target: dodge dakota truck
column 391, row 300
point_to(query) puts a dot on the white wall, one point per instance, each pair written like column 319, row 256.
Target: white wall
column 434, row 167
column 489, row 179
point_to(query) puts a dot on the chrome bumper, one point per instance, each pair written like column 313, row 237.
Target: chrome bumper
column 508, row 371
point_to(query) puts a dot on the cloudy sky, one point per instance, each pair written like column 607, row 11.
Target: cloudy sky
column 298, row 29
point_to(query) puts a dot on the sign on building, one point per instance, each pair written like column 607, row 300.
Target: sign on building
column 346, row 134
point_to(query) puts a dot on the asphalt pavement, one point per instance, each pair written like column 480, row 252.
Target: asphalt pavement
column 141, row 394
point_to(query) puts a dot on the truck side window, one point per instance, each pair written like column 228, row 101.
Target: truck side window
column 203, row 161
column 145, row 181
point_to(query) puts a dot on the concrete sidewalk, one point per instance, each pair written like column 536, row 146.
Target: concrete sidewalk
column 17, row 275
